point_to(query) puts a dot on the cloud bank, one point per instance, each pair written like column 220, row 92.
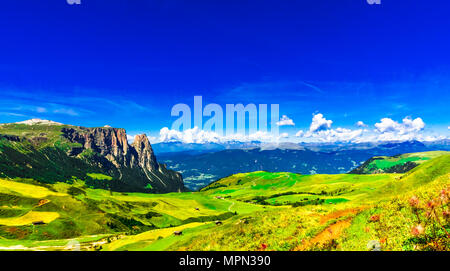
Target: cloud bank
column 196, row 135
column 320, row 130
column 385, row 130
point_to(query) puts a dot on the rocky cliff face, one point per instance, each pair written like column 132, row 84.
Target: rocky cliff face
column 146, row 157
column 135, row 166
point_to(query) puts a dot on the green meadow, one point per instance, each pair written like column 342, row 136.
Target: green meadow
column 248, row 211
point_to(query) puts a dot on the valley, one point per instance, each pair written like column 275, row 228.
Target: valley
column 249, row 211
column 201, row 166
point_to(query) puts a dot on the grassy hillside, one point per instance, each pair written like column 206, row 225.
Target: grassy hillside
column 264, row 187
column 379, row 212
column 102, row 157
column 257, row 211
column 40, row 152
column 396, row 164
column 64, row 210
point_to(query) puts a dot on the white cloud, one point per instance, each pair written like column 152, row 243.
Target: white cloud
column 336, row 135
column 319, row 123
column 12, row 114
column 320, row 131
column 130, row 138
column 386, row 130
column 65, row 111
column 299, row 133
column 41, row 109
column 258, row 136
column 413, row 125
column 285, row 121
column 408, row 126
column 195, row 135
column 409, row 129
column 404, row 137
column 361, row 124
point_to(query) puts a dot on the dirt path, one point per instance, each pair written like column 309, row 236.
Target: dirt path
column 333, row 231
column 327, row 235
column 339, row 214
column 232, row 204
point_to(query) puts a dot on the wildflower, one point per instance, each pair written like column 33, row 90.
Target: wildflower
column 414, row 201
column 375, row 218
column 263, row 246
column 431, row 204
column 446, row 213
column 418, row 230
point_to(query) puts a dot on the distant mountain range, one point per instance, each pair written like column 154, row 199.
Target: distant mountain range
column 176, row 146
column 196, row 148
column 201, row 166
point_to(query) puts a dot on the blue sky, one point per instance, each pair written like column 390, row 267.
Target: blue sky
column 126, row 63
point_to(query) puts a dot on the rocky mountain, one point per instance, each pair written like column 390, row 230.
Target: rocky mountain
column 51, row 152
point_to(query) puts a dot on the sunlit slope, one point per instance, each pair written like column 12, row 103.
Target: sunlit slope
column 289, row 188
column 420, row 176
column 386, row 219
column 32, row 210
column 396, row 164
column 253, row 211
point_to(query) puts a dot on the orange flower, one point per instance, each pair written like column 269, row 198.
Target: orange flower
column 375, row 218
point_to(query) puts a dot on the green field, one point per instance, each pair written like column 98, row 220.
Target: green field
column 396, row 164
column 257, row 211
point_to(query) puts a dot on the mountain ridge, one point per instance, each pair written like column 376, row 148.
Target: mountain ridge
column 57, row 152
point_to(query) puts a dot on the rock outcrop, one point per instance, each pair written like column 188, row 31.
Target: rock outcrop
column 135, row 165
column 146, row 157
